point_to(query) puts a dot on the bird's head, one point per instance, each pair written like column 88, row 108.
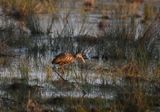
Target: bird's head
column 79, row 56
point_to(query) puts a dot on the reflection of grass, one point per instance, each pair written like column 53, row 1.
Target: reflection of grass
column 34, row 23
column 135, row 101
column 79, row 104
column 19, row 42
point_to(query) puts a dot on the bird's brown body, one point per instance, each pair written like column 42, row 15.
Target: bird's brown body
column 67, row 58
column 62, row 59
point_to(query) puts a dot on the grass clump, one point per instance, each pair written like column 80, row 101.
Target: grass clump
column 3, row 47
column 27, row 7
column 27, row 12
column 48, row 71
column 24, row 69
column 135, row 101
column 33, row 106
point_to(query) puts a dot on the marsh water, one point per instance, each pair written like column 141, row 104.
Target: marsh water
column 91, row 84
column 28, row 78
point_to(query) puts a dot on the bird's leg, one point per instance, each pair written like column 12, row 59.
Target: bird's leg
column 60, row 74
column 62, row 68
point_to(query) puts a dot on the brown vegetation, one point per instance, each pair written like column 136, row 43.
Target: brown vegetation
column 89, row 3
column 3, row 48
column 131, row 68
column 25, row 7
column 33, row 106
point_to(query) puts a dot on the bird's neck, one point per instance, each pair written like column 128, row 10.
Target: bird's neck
column 75, row 56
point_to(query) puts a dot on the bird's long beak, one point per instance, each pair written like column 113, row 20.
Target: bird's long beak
column 83, row 60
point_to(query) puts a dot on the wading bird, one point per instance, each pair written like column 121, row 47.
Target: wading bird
column 67, row 58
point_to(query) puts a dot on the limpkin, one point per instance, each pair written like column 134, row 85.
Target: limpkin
column 67, row 58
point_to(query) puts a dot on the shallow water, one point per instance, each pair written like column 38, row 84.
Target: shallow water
column 30, row 75
column 26, row 76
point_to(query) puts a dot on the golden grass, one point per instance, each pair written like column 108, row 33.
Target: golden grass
column 24, row 68
column 33, row 106
column 131, row 68
column 149, row 12
column 48, row 70
column 80, row 108
column 135, row 101
column 132, row 71
column 26, row 7
column 4, row 61
column 156, row 72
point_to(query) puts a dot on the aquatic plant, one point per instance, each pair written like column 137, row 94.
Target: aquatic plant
column 24, row 69
column 27, row 7
column 4, row 48
column 134, row 101
column 33, row 106
column 48, row 70
column 26, row 11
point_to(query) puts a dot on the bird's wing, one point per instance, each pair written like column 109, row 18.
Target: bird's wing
column 62, row 58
